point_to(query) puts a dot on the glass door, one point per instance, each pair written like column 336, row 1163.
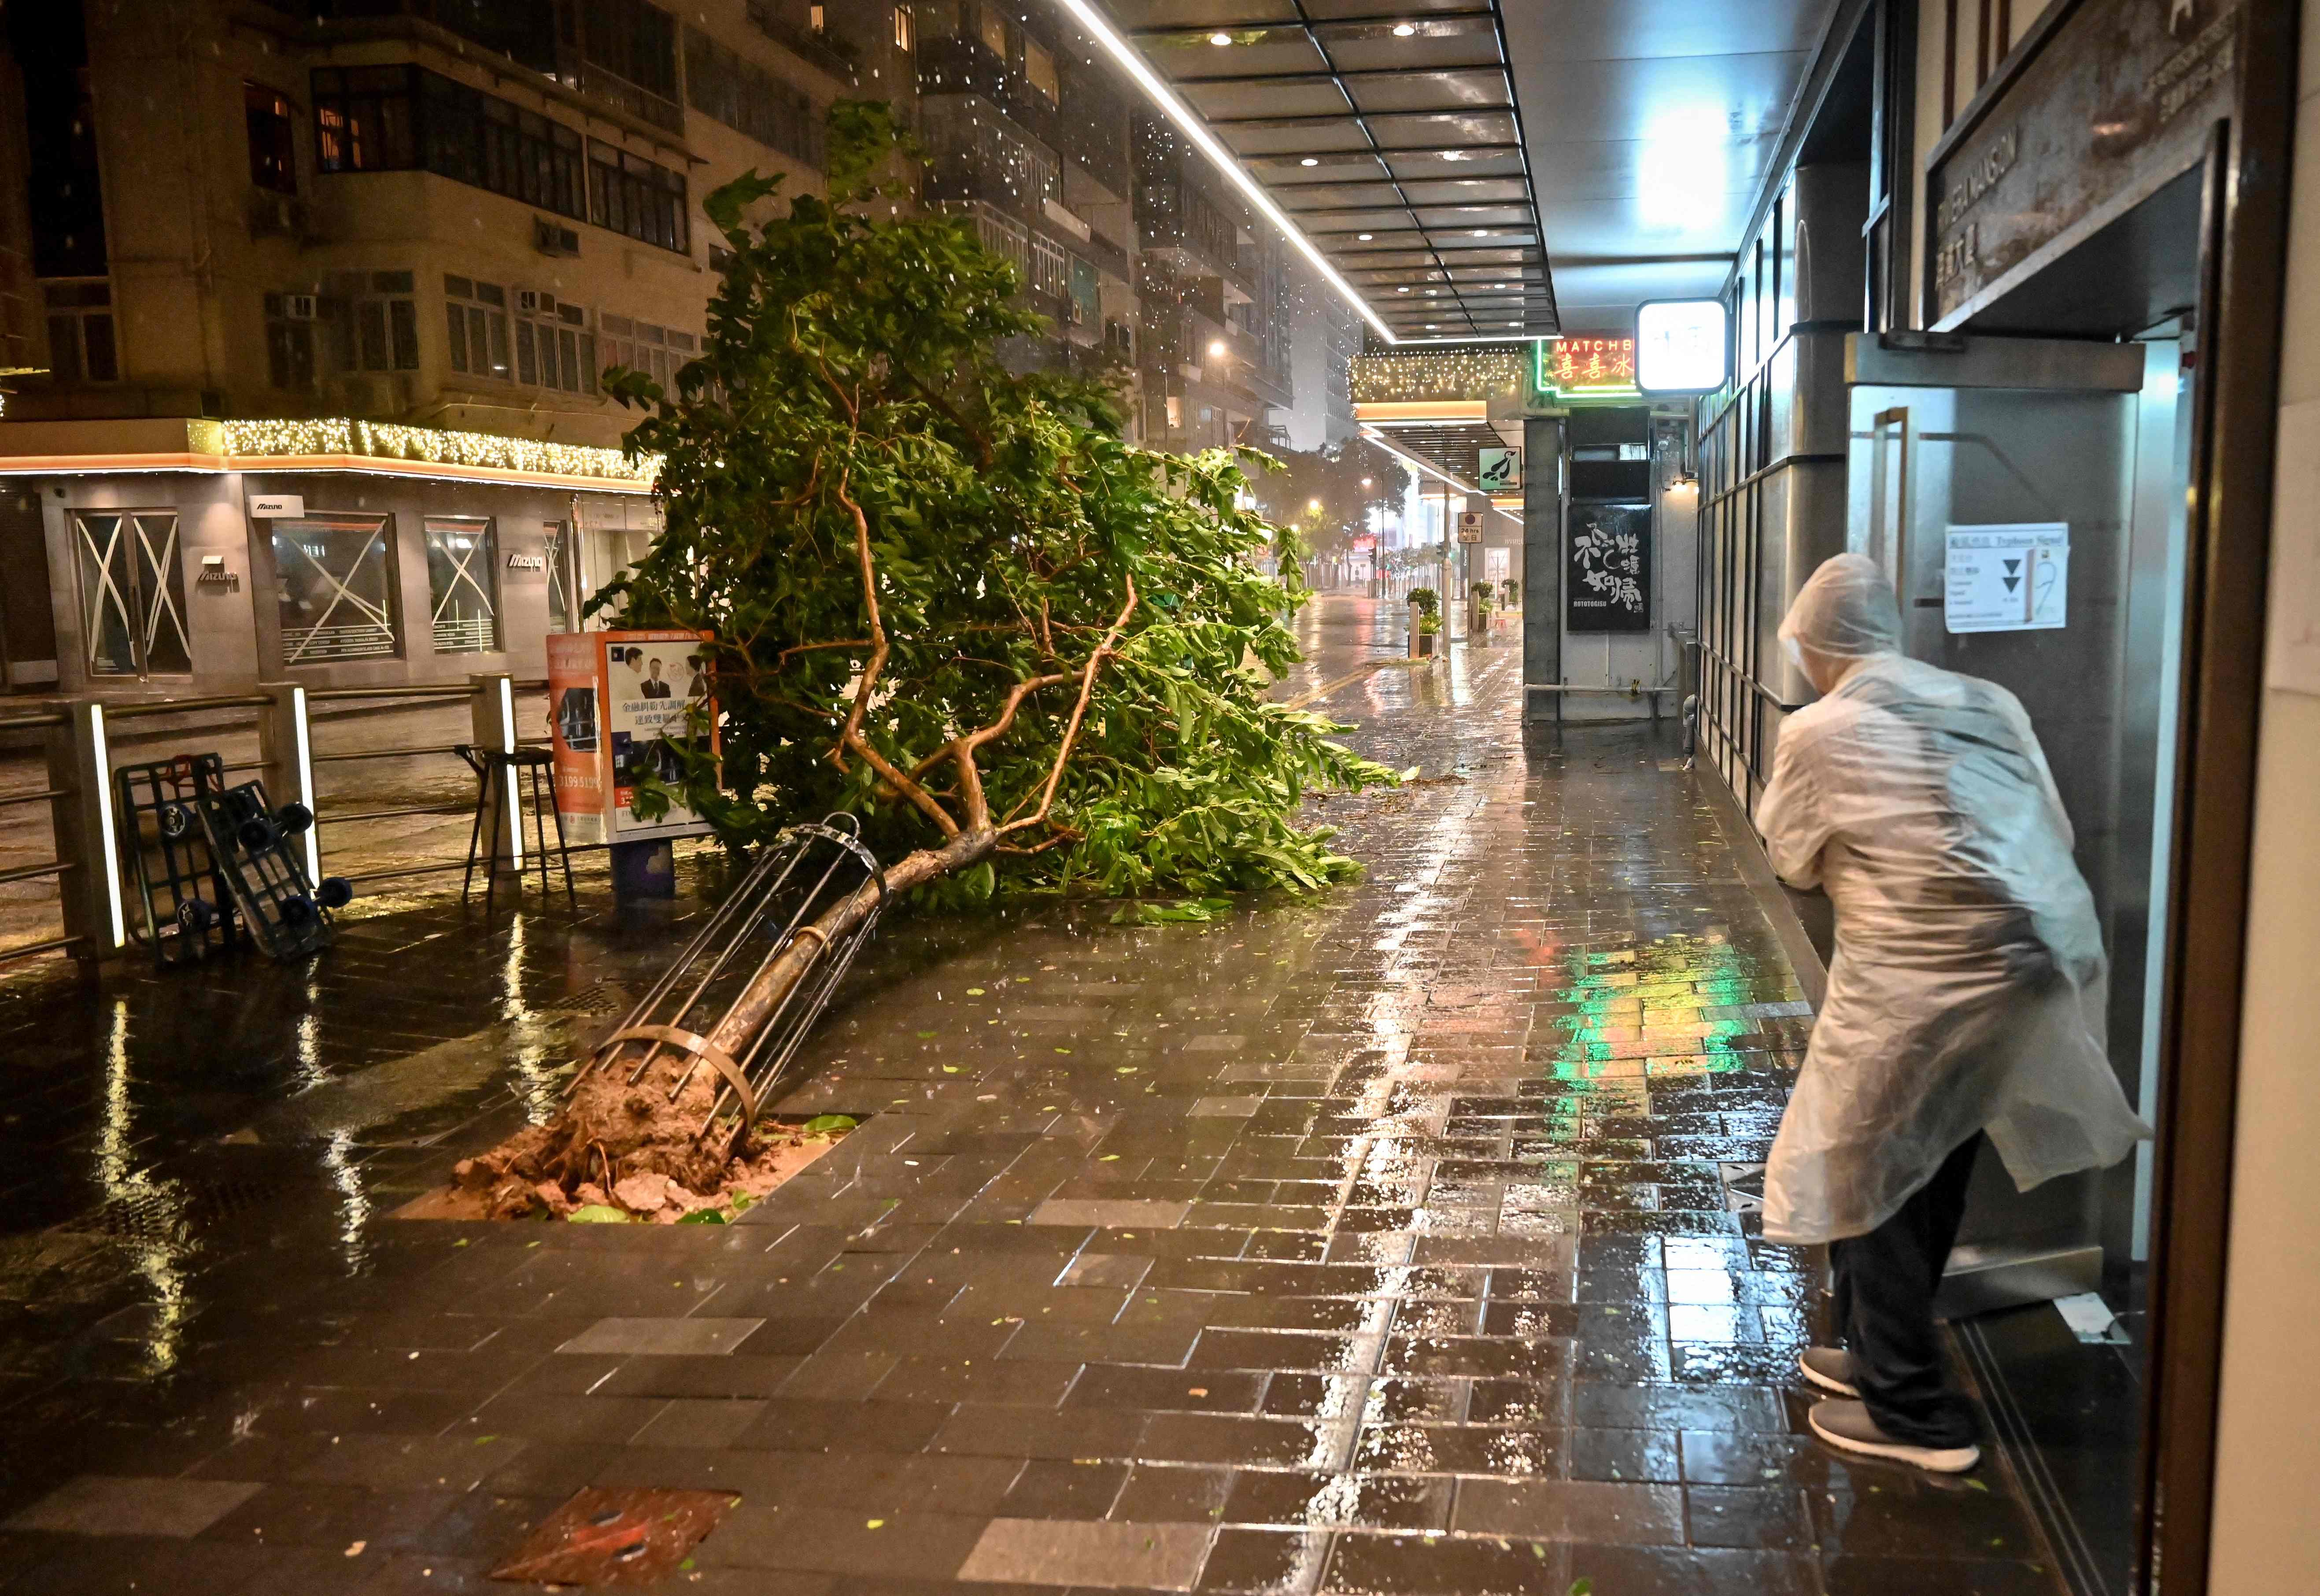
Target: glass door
column 132, row 593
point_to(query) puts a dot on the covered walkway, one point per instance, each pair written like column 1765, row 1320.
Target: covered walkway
column 1398, row 1243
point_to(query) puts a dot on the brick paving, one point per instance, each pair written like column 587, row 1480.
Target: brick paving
column 1389, row 1244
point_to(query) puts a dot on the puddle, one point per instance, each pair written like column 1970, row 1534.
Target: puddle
column 793, row 1144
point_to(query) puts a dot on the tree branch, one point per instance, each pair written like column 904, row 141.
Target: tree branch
column 851, row 736
column 1079, row 716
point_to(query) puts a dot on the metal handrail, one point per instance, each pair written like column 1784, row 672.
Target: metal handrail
column 458, row 864
column 339, row 694
column 442, row 747
column 27, row 949
column 29, row 723
column 15, row 798
column 33, row 872
column 170, row 706
column 329, row 817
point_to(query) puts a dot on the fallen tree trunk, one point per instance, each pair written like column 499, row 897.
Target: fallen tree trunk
column 612, row 1128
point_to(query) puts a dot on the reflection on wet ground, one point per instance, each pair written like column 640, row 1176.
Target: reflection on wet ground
column 1382, row 1244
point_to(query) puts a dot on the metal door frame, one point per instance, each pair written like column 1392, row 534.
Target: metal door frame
column 141, row 613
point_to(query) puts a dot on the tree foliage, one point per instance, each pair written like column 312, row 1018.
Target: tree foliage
column 949, row 597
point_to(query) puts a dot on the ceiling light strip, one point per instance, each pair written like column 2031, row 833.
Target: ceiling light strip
column 1132, row 62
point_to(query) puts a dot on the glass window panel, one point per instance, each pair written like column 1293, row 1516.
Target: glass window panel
column 107, row 594
column 499, row 345
column 462, row 584
column 568, row 347
column 161, row 592
column 335, row 588
column 103, row 365
column 403, row 332
column 527, row 365
column 371, row 316
column 456, row 323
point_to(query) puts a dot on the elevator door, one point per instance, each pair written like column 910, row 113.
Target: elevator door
column 1996, row 482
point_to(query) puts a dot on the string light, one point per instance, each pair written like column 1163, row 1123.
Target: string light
column 390, row 440
column 1451, row 374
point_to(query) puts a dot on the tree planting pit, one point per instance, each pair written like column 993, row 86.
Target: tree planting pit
column 634, row 1536
column 779, row 1148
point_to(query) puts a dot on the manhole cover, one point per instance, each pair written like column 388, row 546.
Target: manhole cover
column 169, row 1210
column 603, row 998
column 630, row 1537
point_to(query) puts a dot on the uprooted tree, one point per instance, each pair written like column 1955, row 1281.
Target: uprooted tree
column 948, row 598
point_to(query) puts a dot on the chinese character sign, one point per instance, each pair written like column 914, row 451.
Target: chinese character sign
column 1588, row 365
column 1609, row 577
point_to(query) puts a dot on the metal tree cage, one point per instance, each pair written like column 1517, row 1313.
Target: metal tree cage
column 808, row 871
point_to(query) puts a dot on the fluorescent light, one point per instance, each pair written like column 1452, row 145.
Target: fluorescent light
column 514, row 802
column 306, row 794
column 1309, row 161
column 1365, row 237
column 100, row 776
column 1220, row 39
column 1404, row 30
column 1132, row 62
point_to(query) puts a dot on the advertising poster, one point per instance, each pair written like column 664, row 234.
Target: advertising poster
column 615, row 698
column 575, row 719
column 1609, row 577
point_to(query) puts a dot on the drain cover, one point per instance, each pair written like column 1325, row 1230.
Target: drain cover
column 171, row 1211
column 605, row 997
column 631, row 1537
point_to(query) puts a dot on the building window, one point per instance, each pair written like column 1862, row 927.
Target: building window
column 750, row 100
column 366, row 119
column 376, row 119
column 1002, row 237
column 80, row 331
column 632, row 41
column 640, row 346
column 374, row 321
column 475, row 319
column 631, row 196
column 335, row 585
column 994, row 32
column 906, row 29
column 553, row 347
column 290, row 341
column 1051, row 270
column 1039, row 67
column 132, row 593
column 817, row 19
column 462, row 582
column 273, row 160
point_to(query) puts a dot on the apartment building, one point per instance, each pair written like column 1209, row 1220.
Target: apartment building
column 305, row 304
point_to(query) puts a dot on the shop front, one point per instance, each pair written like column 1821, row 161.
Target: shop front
column 243, row 556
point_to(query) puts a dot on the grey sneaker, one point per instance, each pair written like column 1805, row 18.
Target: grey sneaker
column 1830, row 1368
column 1847, row 1426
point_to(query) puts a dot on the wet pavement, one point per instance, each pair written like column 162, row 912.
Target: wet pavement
column 1394, row 1242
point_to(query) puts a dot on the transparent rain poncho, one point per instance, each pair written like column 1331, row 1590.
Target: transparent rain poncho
column 1966, row 992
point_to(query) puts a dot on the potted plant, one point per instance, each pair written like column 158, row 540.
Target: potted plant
column 1425, row 605
column 1513, row 590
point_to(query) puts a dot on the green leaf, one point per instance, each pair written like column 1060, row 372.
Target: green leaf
column 597, row 1213
column 830, row 1124
column 703, row 1216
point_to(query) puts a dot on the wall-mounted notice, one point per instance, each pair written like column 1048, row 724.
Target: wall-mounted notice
column 2015, row 577
column 1607, row 585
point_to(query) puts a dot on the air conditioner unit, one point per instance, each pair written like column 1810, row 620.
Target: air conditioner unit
column 528, row 301
column 298, row 307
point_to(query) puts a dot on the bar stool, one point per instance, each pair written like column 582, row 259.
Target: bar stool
column 538, row 766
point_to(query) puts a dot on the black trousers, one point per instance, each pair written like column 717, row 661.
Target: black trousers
column 1885, row 1285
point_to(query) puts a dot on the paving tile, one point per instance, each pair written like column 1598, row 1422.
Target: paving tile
column 1150, row 1556
column 1110, row 1212
column 676, row 1338
column 1570, row 1510
column 99, row 1504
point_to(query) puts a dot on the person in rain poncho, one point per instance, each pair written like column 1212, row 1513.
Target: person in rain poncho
column 1964, row 1002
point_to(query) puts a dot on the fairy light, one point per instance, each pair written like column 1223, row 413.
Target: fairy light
column 283, row 438
column 1449, row 374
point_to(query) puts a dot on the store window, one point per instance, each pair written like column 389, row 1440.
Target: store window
column 563, row 591
column 81, row 346
column 462, row 584
column 290, row 341
column 553, row 346
column 476, row 322
column 640, row 346
column 335, row 585
column 132, row 593
column 374, row 321
column 273, row 159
